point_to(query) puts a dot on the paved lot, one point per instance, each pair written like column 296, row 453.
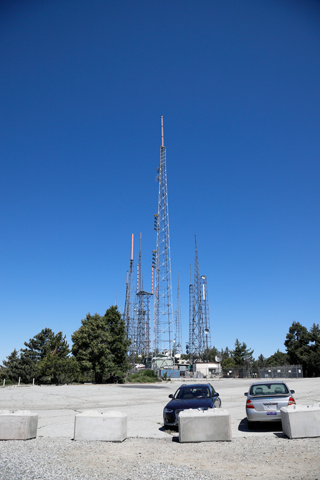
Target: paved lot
column 58, row 405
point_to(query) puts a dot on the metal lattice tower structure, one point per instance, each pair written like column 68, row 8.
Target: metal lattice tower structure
column 199, row 321
column 177, row 323
column 190, row 347
column 128, row 314
column 163, row 318
column 142, row 314
column 143, row 323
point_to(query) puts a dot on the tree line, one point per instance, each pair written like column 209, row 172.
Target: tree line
column 98, row 354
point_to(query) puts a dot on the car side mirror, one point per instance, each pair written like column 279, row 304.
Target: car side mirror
column 292, row 391
column 245, row 394
column 216, row 394
column 171, row 395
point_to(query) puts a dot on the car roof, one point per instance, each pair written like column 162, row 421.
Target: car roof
column 265, row 382
column 195, row 385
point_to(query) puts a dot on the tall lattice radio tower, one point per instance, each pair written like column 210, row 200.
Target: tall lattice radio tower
column 163, row 317
column 199, row 320
column 143, row 314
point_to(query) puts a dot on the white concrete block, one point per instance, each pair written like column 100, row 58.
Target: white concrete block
column 99, row 426
column 18, row 425
column 300, row 421
column 211, row 425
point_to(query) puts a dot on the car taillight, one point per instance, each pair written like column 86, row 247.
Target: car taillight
column 249, row 404
column 291, row 401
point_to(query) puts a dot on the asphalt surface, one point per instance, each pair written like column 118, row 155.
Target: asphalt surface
column 143, row 404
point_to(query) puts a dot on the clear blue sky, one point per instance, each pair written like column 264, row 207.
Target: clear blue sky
column 82, row 87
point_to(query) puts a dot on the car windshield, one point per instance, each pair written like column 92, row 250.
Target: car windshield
column 269, row 389
column 192, row 392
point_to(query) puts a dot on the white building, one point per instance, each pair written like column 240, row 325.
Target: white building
column 207, row 369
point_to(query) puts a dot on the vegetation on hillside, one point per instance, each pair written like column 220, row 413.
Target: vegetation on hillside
column 99, row 354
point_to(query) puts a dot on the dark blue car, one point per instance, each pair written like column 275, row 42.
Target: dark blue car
column 198, row 396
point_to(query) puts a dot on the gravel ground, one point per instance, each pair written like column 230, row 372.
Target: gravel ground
column 150, row 452
column 156, row 459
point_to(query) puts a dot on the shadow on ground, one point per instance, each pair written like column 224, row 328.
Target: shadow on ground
column 142, row 385
column 172, row 431
column 260, row 426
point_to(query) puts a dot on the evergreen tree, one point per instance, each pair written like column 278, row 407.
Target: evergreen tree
column 241, row 354
column 210, row 354
column 277, row 359
column 314, row 359
column 57, row 367
column 11, row 366
column 18, row 366
column 47, row 356
column 118, row 342
column 42, row 344
column 297, row 345
column 91, row 347
column 261, row 361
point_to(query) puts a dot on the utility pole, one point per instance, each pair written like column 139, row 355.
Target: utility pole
column 177, row 323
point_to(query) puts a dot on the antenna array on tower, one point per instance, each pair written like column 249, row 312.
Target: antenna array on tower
column 199, row 321
column 162, row 316
column 137, row 311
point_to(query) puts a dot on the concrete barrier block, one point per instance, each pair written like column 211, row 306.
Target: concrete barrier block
column 211, row 425
column 299, row 421
column 18, row 425
column 99, row 426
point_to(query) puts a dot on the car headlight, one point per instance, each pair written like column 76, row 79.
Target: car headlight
column 168, row 410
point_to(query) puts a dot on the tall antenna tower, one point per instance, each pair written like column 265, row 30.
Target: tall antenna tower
column 191, row 346
column 177, row 323
column 163, row 321
column 143, row 314
column 128, row 315
column 199, row 321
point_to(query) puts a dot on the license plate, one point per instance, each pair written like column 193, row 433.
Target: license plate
column 272, row 406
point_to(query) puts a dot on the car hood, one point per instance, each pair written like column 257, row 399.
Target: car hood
column 190, row 403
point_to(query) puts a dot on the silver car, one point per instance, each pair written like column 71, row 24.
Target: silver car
column 265, row 399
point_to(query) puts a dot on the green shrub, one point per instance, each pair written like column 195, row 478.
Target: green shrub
column 149, row 373
column 145, row 376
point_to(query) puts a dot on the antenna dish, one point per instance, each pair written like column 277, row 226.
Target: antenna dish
column 218, row 358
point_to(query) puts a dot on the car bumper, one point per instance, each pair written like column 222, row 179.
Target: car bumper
column 263, row 416
column 170, row 420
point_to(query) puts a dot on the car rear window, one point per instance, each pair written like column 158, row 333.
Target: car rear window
column 269, row 389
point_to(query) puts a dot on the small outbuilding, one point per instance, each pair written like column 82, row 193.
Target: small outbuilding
column 207, row 369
